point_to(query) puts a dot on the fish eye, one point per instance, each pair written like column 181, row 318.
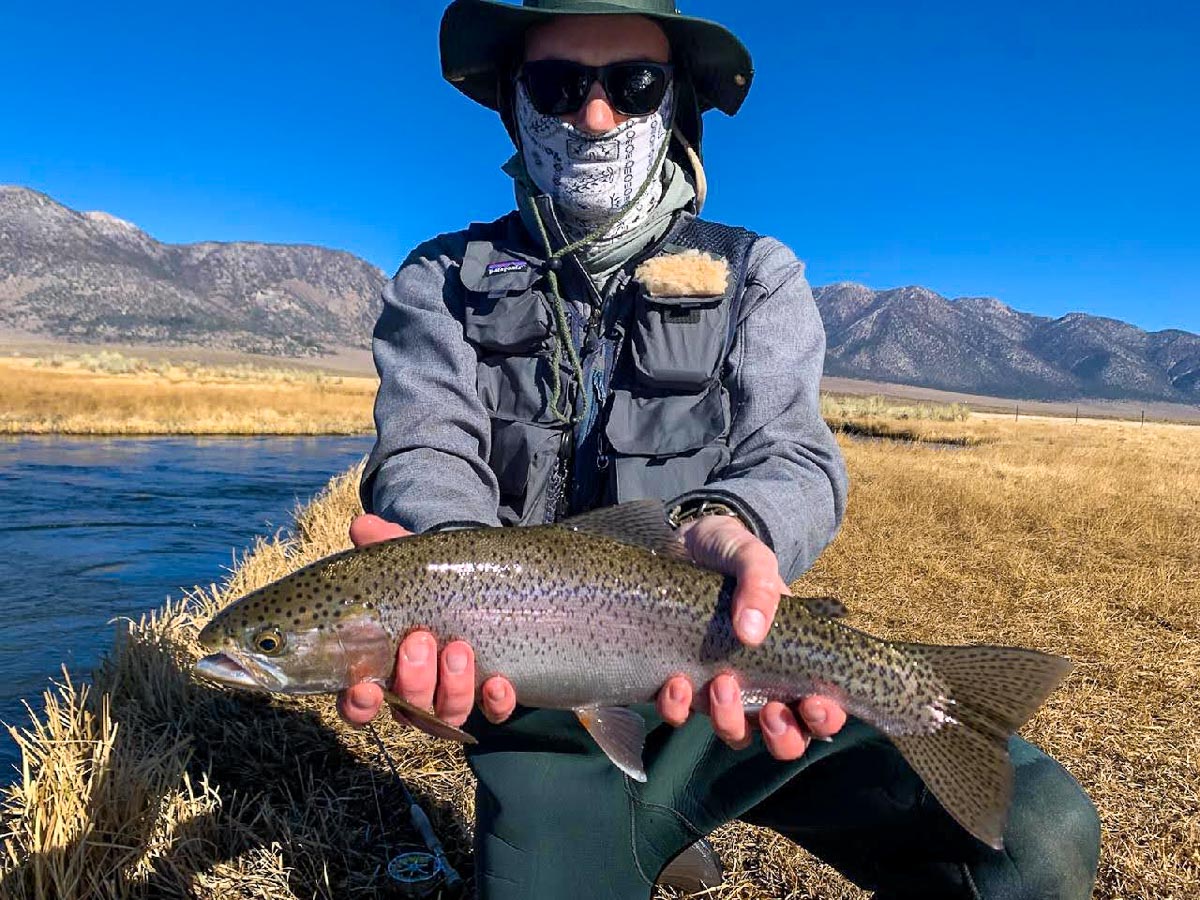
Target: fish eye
column 268, row 641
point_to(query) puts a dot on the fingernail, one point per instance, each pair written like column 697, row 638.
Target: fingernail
column 417, row 651
column 675, row 694
column 495, row 692
column 817, row 716
column 773, row 723
column 359, row 702
column 726, row 692
column 456, row 662
column 752, row 625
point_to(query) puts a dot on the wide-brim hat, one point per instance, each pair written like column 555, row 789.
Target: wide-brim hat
column 482, row 40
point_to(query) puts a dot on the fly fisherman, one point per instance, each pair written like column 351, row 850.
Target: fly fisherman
column 603, row 343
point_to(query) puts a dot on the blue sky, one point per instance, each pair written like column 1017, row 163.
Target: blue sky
column 1047, row 154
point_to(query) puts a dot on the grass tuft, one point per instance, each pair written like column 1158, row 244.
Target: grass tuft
column 880, row 418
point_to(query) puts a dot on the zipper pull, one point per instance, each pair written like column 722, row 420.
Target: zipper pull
column 602, row 446
column 591, row 337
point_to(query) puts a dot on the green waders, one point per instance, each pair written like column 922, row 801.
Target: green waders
column 555, row 819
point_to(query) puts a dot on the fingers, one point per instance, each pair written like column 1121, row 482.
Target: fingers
column 456, row 683
column 675, row 700
column 498, row 699
column 822, row 717
column 727, row 713
column 725, row 544
column 756, row 595
column 360, row 704
column 715, row 541
column 417, row 669
column 784, row 736
column 757, row 592
column 370, row 529
column 446, row 681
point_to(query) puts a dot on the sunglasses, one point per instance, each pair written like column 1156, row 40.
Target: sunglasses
column 559, row 87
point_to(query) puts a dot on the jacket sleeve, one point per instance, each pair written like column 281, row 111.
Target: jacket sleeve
column 786, row 477
column 428, row 469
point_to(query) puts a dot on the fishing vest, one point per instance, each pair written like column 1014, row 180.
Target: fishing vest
column 664, row 414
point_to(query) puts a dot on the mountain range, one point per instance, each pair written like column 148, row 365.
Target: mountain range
column 91, row 277
column 979, row 345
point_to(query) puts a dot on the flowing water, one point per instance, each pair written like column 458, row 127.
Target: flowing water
column 93, row 529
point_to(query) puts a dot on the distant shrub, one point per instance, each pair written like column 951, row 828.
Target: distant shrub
column 841, row 407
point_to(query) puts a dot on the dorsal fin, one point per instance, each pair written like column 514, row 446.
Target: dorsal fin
column 639, row 523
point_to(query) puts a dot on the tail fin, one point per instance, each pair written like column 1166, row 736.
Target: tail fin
column 965, row 763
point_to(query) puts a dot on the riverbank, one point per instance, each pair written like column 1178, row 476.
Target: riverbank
column 109, row 393
column 1081, row 541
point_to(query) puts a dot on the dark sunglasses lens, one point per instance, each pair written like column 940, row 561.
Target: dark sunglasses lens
column 636, row 89
column 556, row 87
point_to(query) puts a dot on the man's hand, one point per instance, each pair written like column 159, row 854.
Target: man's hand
column 447, row 684
column 724, row 544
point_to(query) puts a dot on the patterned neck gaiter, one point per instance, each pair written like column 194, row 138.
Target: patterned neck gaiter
column 592, row 178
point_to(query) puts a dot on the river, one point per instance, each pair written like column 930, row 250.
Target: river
column 94, row 529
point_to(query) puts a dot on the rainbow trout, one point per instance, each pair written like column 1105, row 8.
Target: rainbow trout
column 596, row 613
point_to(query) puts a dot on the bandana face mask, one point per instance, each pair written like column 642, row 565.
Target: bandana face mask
column 592, row 178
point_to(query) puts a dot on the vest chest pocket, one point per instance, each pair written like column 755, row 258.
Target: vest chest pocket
column 524, row 457
column 503, row 309
column 515, row 388
column 666, row 445
column 678, row 342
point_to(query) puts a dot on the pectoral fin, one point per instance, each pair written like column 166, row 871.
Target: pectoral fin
column 621, row 734
column 427, row 721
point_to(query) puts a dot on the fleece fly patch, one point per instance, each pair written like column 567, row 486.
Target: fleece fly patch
column 687, row 274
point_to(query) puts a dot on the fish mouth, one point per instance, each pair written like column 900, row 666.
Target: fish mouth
column 224, row 669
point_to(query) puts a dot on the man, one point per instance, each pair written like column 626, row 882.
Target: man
column 602, row 344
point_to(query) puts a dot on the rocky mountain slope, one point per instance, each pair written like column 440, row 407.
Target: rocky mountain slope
column 979, row 345
column 93, row 277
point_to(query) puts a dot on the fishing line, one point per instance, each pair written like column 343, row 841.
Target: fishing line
column 417, row 872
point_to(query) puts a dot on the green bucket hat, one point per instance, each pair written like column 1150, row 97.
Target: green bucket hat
column 482, row 41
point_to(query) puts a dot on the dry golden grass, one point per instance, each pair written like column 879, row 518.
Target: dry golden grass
column 849, row 407
column 108, row 393
column 894, row 420
column 112, row 393
column 1082, row 540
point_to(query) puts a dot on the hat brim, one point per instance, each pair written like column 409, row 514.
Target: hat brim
column 481, row 38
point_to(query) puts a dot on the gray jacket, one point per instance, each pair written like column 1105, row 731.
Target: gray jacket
column 448, row 400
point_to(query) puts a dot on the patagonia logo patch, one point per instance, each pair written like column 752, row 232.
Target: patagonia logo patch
column 506, row 266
